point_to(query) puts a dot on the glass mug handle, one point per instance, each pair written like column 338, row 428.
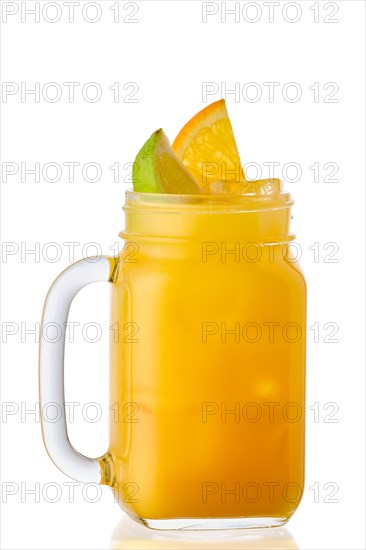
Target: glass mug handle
column 51, row 366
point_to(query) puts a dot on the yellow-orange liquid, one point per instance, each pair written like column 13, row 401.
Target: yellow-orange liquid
column 210, row 423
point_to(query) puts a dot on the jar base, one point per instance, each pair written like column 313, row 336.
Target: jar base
column 205, row 524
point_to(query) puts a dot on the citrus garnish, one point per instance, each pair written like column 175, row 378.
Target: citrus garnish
column 207, row 147
column 268, row 186
column 157, row 169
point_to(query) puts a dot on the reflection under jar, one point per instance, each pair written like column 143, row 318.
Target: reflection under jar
column 131, row 535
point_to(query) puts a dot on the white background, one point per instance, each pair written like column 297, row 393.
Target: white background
column 168, row 54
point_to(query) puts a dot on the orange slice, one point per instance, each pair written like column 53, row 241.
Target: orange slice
column 207, row 147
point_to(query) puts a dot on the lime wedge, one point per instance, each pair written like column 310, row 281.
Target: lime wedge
column 157, row 169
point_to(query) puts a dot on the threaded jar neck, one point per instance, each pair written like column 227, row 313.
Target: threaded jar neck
column 261, row 218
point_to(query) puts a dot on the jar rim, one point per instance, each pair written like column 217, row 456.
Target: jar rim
column 249, row 201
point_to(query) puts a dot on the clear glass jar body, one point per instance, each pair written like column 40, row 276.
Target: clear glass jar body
column 207, row 364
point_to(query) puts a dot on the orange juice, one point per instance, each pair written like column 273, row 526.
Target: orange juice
column 208, row 363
